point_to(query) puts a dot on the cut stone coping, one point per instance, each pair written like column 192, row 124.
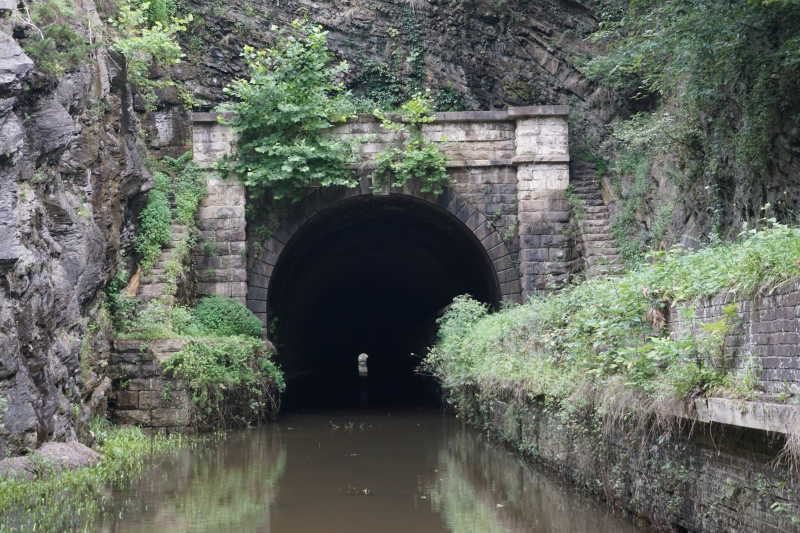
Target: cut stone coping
column 480, row 163
column 512, row 113
column 761, row 415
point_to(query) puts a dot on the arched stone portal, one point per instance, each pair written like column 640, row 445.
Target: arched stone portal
column 345, row 270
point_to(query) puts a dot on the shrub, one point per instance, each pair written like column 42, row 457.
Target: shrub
column 121, row 308
column 189, row 186
column 157, row 320
column 54, row 43
column 223, row 316
column 232, row 379
column 147, row 36
column 283, row 114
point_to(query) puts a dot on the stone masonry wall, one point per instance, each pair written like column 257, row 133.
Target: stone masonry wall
column 142, row 395
column 765, row 328
column 698, row 478
column 222, row 259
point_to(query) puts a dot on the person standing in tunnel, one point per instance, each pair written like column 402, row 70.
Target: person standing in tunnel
column 363, row 372
column 362, row 365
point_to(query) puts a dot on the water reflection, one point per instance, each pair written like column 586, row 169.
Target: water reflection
column 354, row 472
column 227, row 486
column 483, row 488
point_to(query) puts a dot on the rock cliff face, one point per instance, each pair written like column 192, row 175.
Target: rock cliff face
column 490, row 54
column 70, row 163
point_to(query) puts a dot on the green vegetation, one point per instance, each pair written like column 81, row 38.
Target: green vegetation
column 605, row 340
column 53, row 41
column 387, row 84
column 121, row 308
column 214, row 316
column 232, row 379
column 717, row 85
column 147, row 37
column 158, row 11
column 155, row 223
column 223, row 316
column 418, row 160
column 183, row 182
column 226, row 365
column 73, row 500
column 283, row 114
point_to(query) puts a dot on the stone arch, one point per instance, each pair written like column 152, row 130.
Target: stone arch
column 264, row 254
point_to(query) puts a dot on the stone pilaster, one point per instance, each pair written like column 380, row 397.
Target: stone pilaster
column 221, row 255
column 542, row 159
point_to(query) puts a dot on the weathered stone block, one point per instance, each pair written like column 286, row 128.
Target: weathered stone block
column 170, row 417
column 125, row 400
column 132, row 417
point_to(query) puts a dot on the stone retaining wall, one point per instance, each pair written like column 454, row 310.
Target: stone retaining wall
column 142, row 395
column 765, row 328
column 702, row 478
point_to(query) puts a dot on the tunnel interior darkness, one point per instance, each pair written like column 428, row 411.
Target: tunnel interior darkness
column 370, row 275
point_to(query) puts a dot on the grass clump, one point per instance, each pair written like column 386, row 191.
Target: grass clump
column 65, row 501
column 224, row 316
column 601, row 340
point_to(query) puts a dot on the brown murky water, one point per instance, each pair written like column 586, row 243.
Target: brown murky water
column 355, row 472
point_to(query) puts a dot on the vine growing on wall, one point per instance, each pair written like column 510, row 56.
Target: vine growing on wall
column 418, row 160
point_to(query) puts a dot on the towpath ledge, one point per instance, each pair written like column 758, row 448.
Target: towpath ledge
column 753, row 414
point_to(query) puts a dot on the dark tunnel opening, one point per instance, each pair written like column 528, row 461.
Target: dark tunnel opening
column 370, row 275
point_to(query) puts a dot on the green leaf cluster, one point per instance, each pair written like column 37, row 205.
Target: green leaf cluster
column 188, row 185
column 178, row 180
column 283, row 115
column 121, row 308
column 419, row 160
column 214, row 316
column 155, row 222
column 719, row 83
column 158, row 11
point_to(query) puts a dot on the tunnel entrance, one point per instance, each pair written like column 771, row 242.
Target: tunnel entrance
column 370, row 275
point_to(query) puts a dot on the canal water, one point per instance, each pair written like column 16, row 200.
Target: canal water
column 357, row 471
